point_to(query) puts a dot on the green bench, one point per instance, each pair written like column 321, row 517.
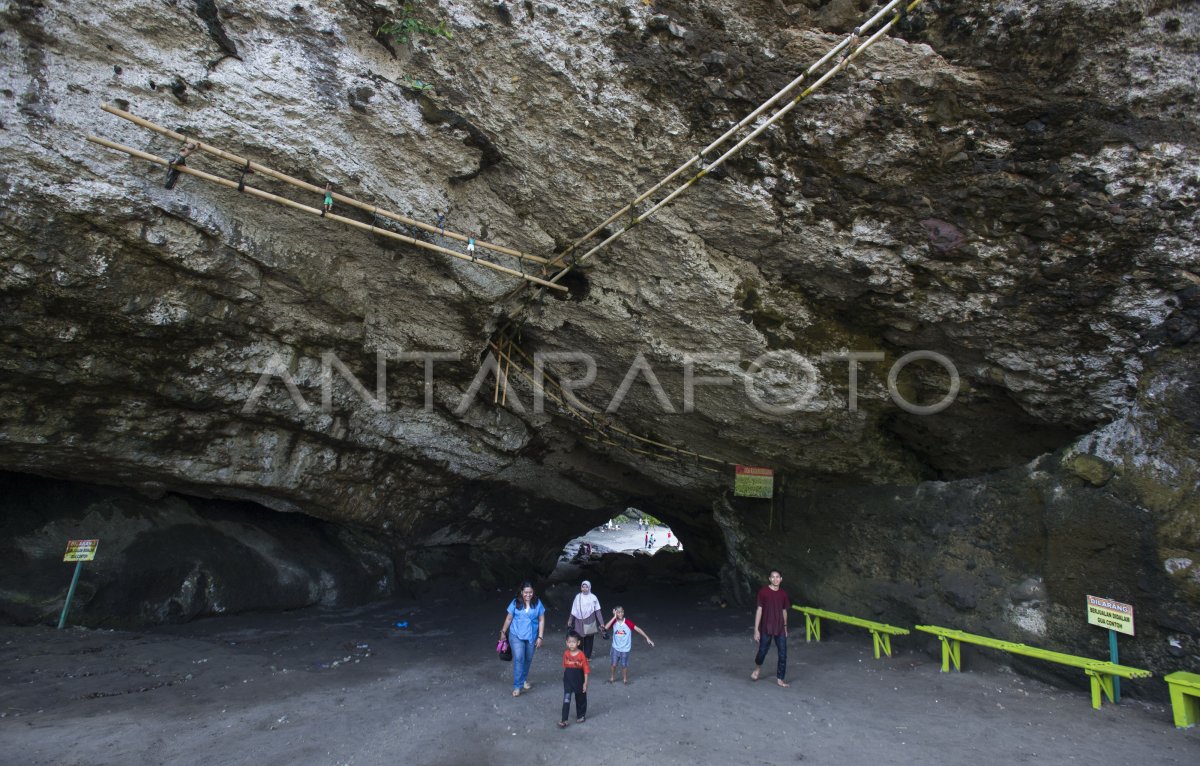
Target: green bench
column 1185, row 697
column 881, row 634
column 1099, row 672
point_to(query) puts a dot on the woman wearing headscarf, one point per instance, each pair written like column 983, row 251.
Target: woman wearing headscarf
column 586, row 619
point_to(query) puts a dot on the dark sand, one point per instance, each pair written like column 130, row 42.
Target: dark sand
column 345, row 687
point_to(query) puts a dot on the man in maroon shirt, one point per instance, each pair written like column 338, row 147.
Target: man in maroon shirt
column 770, row 622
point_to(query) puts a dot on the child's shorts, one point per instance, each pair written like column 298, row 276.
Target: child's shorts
column 618, row 658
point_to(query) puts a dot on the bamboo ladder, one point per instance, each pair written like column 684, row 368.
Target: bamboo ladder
column 248, row 166
column 850, row 47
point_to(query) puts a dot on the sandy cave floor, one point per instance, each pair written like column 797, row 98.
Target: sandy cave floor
column 325, row 686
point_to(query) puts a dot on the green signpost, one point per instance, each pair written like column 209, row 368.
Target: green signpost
column 1117, row 618
column 78, row 551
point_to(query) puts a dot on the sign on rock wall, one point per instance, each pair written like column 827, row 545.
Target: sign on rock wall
column 1110, row 614
column 752, row 481
column 81, row 550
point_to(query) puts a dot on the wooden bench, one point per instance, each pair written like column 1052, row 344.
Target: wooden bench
column 1185, row 697
column 881, row 634
column 1099, row 672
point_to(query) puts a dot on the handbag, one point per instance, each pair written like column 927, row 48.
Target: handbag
column 591, row 629
column 504, row 651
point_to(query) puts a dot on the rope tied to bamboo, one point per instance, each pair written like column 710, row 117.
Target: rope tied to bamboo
column 851, row 43
column 242, row 178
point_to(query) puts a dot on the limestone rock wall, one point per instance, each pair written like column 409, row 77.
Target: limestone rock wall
column 1013, row 554
column 172, row 558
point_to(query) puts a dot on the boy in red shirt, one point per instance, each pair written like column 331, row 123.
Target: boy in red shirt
column 575, row 680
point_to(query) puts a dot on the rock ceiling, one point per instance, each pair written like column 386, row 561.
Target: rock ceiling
column 1011, row 189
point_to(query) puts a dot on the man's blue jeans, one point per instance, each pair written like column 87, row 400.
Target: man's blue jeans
column 764, row 643
column 522, row 659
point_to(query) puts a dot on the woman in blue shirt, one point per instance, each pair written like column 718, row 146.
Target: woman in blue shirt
column 527, row 619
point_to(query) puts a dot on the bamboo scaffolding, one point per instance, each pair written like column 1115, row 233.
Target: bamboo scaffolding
column 655, row 455
column 314, row 211
column 838, row 67
column 589, row 421
column 255, row 167
column 631, row 436
column 548, row 377
column 533, row 383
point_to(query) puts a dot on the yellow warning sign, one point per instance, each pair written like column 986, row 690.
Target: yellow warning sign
column 81, row 550
column 1106, row 613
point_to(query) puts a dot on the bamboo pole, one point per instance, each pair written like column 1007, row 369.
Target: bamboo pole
column 500, row 394
column 644, row 452
column 304, row 208
column 266, row 171
column 865, row 26
column 496, row 384
column 507, row 367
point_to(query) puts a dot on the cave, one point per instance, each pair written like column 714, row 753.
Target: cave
column 916, row 331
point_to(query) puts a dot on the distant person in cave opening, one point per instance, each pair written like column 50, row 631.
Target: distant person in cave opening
column 527, row 617
column 770, row 622
column 586, row 618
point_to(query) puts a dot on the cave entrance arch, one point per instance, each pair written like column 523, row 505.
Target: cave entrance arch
column 620, row 561
column 630, row 533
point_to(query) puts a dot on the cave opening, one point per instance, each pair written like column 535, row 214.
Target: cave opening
column 630, row 533
column 633, row 548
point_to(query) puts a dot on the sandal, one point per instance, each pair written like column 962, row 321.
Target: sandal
column 516, row 692
column 580, row 719
column 754, row 675
column 527, row 686
column 562, row 724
